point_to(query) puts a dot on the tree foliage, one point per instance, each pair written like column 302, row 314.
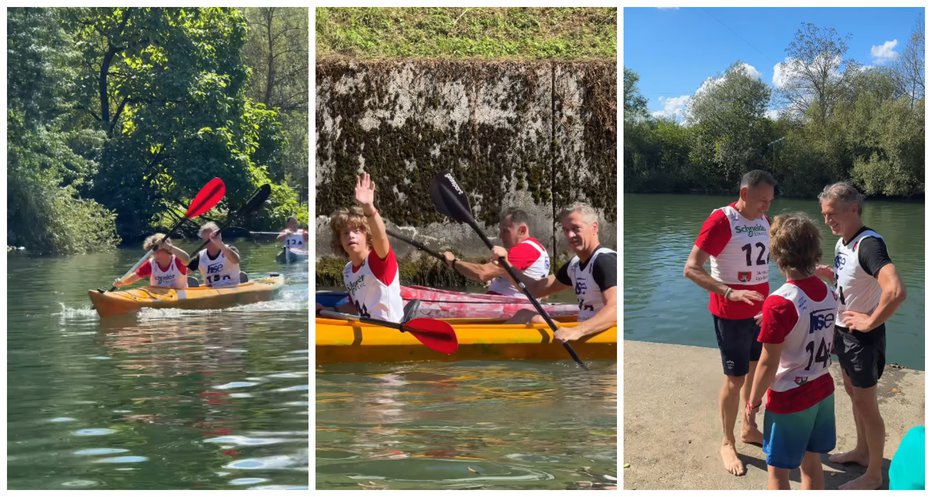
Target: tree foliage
column 866, row 125
column 135, row 108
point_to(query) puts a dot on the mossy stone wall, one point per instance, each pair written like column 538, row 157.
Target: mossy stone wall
column 540, row 134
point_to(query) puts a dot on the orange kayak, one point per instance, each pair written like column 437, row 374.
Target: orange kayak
column 202, row 297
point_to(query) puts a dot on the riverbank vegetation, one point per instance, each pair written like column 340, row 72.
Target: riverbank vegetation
column 839, row 120
column 457, row 33
column 118, row 116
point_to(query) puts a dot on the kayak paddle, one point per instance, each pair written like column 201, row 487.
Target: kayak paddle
column 204, row 201
column 256, row 201
column 434, row 333
column 418, row 245
column 450, row 199
column 234, row 232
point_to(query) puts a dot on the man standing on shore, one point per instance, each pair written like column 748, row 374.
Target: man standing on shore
column 870, row 291
column 736, row 240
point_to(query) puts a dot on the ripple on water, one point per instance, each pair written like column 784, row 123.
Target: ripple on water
column 93, row 432
column 236, row 384
column 122, row 459
column 248, row 481
column 271, row 462
column 99, row 451
column 240, row 440
column 79, row 483
column 63, row 419
column 434, row 470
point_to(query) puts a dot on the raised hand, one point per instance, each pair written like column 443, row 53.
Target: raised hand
column 365, row 192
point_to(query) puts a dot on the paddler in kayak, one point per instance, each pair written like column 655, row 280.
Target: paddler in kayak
column 371, row 275
column 292, row 236
column 527, row 255
column 165, row 268
column 591, row 273
column 218, row 263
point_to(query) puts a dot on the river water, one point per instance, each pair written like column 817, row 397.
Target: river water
column 166, row 400
column 466, row 425
column 660, row 305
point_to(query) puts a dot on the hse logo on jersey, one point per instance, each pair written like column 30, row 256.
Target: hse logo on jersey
column 751, row 231
column 839, row 261
column 214, row 268
column 821, row 319
column 580, row 287
column 353, row 286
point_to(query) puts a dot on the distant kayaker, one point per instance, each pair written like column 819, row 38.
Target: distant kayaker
column 797, row 329
column 165, row 268
column 527, row 255
column 736, row 239
column 591, row 273
column 371, row 276
column 292, row 236
column 870, row 291
column 218, row 263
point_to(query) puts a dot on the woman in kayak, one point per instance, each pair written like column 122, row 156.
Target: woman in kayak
column 293, row 236
column 165, row 269
column 218, row 262
column 371, row 275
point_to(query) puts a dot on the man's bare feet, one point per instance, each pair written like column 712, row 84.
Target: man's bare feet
column 730, row 458
column 863, row 482
column 752, row 436
column 850, row 457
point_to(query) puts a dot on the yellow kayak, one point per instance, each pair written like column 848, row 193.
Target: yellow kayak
column 339, row 340
column 202, row 297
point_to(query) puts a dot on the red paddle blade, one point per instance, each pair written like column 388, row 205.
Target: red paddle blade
column 435, row 334
column 207, row 198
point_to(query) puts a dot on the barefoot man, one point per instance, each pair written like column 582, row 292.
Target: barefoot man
column 869, row 291
column 736, row 240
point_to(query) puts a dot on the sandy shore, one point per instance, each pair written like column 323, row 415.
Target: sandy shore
column 672, row 432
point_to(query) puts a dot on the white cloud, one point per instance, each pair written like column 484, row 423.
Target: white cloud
column 773, row 114
column 674, row 108
column 885, row 53
column 751, row 71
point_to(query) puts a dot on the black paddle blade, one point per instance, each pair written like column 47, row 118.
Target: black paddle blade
column 258, row 198
column 410, row 310
column 449, row 198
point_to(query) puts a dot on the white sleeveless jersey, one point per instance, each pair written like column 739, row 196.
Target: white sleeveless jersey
column 539, row 269
column 372, row 297
column 170, row 278
column 587, row 291
column 745, row 259
column 219, row 272
column 807, row 349
column 294, row 240
column 857, row 290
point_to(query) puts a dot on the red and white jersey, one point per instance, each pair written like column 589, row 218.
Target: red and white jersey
column 528, row 257
column 294, row 240
column 218, row 272
column 801, row 316
column 859, row 290
column 740, row 258
column 174, row 276
column 375, row 287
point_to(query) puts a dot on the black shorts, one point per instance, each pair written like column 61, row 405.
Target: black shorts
column 862, row 355
column 737, row 342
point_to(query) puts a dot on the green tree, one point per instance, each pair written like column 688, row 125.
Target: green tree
column 277, row 52
column 815, row 80
column 49, row 154
column 635, row 103
column 730, row 127
column 168, row 87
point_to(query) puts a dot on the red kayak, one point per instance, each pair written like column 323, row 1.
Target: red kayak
column 437, row 303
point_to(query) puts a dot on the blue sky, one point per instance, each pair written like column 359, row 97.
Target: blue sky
column 675, row 50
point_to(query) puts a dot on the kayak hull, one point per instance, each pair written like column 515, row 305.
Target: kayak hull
column 130, row 301
column 344, row 341
column 291, row 255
